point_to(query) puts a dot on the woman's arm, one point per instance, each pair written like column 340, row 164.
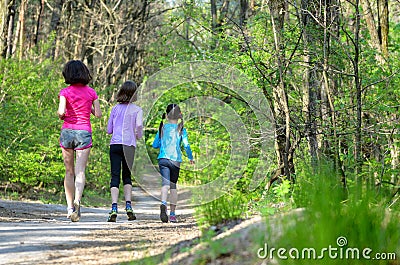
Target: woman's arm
column 110, row 123
column 96, row 111
column 61, row 107
column 139, row 125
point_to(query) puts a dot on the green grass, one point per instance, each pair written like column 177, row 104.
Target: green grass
column 231, row 206
column 344, row 222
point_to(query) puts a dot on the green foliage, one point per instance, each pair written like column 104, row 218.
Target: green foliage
column 29, row 127
column 278, row 199
column 282, row 190
column 231, row 206
column 331, row 213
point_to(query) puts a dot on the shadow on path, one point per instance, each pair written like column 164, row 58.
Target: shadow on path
column 36, row 233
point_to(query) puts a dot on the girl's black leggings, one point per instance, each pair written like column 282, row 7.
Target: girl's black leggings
column 121, row 157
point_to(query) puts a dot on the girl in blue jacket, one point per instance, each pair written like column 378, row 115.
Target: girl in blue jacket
column 168, row 139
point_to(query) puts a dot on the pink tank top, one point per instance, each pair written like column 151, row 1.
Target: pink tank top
column 79, row 106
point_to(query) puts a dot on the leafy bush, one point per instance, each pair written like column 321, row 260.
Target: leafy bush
column 229, row 207
column 29, row 127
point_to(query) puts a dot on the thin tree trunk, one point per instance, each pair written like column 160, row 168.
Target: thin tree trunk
column 6, row 53
column 214, row 19
column 310, row 79
column 383, row 29
column 189, row 7
column 79, row 42
column 394, row 149
column 244, row 8
column 3, row 26
column 331, row 16
column 39, row 22
column 19, row 32
column 358, row 134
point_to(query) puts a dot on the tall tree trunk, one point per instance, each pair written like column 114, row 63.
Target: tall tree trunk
column 357, row 82
column 394, row 144
column 383, row 28
column 244, row 9
column 282, row 117
column 218, row 21
column 54, row 27
column 331, row 26
column 19, row 32
column 310, row 76
column 372, row 28
column 9, row 29
column 3, row 26
column 39, row 22
column 79, row 50
column 214, row 18
column 188, row 10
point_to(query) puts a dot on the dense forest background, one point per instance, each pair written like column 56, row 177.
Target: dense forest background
column 329, row 71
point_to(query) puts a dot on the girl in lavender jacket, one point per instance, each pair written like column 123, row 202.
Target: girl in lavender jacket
column 126, row 126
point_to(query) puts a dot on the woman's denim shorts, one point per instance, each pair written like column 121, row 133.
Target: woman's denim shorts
column 75, row 139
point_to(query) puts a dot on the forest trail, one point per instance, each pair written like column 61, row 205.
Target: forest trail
column 36, row 233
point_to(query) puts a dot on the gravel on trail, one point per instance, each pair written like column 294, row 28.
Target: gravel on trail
column 36, row 233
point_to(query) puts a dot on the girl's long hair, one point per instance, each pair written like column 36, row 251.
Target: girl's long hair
column 173, row 112
column 127, row 92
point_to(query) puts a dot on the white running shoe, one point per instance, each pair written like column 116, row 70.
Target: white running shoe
column 76, row 214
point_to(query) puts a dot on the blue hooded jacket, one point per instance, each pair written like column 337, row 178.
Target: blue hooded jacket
column 170, row 144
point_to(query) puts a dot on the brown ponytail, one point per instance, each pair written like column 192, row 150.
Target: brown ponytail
column 180, row 126
column 161, row 125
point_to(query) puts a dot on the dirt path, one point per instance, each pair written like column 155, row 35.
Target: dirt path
column 35, row 233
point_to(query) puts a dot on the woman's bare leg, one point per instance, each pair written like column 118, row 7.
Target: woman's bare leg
column 69, row 186
column 80, row 166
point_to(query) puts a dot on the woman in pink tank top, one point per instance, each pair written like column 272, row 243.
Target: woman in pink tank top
column 77, row 102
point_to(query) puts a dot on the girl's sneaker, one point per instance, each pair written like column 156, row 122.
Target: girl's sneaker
column 131, row 215
column 112, row 217
column 163, row 213
column 172, row 219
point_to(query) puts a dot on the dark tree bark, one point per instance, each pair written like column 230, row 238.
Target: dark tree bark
column 244, row 10
column 383, row 26
column 8, row 30
column 55, row 26
column 311, row 87
column 38, row 22
column 281, row 108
